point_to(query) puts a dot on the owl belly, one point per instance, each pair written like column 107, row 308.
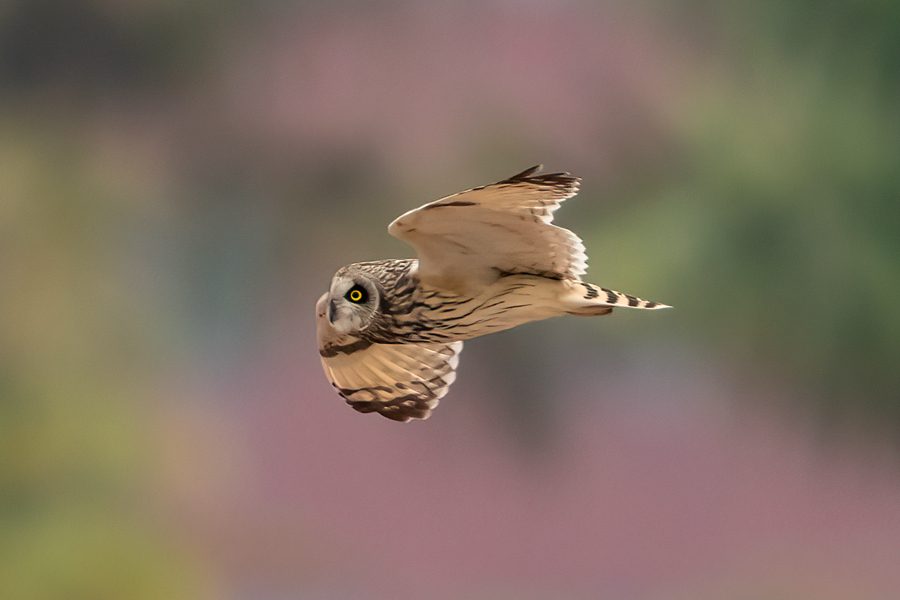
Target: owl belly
column 509, row 302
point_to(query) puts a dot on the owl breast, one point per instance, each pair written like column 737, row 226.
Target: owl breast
column 418, row 313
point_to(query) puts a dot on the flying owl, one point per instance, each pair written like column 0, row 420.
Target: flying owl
column 390, row 331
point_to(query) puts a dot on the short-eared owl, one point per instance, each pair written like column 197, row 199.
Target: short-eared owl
column 390, row 331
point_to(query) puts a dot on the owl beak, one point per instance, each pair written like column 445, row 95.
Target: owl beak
column 332, row 310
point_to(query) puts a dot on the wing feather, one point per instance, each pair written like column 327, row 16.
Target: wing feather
column 505, row 227
column 399, row 381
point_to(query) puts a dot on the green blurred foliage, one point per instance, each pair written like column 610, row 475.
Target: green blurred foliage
column 779, row 220
column 76, row 358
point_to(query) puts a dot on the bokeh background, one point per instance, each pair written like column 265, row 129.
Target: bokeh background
column 179, row 181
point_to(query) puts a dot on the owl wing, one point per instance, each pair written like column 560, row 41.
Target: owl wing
column 400, row 381
column 470, row 238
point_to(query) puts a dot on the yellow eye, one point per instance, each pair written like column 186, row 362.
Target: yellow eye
column 357, row 294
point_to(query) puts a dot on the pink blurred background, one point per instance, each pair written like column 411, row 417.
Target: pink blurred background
column 180, row 183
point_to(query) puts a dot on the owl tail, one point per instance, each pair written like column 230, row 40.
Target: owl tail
column 593, row 300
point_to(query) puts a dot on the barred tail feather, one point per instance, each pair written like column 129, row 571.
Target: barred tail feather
column 600, row 297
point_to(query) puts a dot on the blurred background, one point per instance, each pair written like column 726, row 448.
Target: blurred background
column 179, row 181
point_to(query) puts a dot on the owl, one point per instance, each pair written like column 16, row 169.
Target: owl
column 489, row 258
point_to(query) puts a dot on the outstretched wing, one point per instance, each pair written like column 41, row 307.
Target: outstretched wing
column 468, row 239
column 399, row 381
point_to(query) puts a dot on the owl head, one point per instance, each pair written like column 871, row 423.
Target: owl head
column 352, row 300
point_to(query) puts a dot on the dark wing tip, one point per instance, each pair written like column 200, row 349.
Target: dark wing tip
column 524, row 174
column 401, row 409
column 533, row 176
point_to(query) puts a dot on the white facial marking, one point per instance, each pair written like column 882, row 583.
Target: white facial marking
column 347, row 316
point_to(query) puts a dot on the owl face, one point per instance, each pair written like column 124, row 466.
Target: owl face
column 352, row 301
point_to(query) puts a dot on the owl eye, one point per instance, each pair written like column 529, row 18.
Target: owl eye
column 357, row 294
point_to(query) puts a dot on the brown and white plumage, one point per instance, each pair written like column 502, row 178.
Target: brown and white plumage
column 506, row 226
column 489, row 259
column 400, row 381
